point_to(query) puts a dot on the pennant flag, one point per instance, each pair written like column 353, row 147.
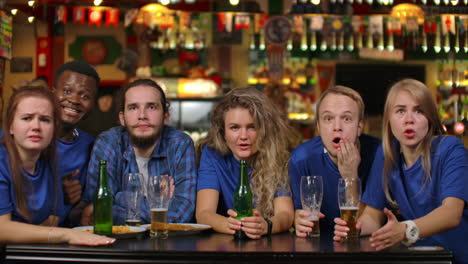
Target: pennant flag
column 112, row 17
column 298, row 24
column 448, row 24
column 130, row 15
column 221, row 22
column 94, row 16
column 316, row 23
column 60, row 14
column 358, row 27
column 260, row 21
column 242, row 21
column 393, row 26
column 184, row 21
column 376, row 25
column 430, row 25
column 78, row 14
column 412, row 24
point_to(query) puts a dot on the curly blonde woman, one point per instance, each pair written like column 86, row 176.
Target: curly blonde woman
column 246, row 125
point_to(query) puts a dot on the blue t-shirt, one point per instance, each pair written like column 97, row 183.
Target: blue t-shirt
column 221, row 173
column 39, row 192
column 310, row 158
column 74, row 156
column 174, row 155
column 449, row 169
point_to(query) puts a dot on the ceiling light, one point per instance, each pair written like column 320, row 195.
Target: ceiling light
column 14, row 11
column 165, row 2
column 31, row 3
column 234, row 2
column 97, row 2
column 30, row 19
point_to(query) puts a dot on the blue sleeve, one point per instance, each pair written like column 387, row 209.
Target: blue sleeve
column 6, row 205
column 182, row 206
column 295, row 180
column 105, row 149
column 454, row 169
column 374, row 195
column 207, row 177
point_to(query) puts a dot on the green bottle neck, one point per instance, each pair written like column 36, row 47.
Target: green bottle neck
column 243, row 175
column 103, row 176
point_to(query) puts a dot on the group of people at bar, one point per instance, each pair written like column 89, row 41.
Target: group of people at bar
column 413, row 181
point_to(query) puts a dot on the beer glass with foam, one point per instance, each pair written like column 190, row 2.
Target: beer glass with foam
column 349, row 196
column 133, row 194
column 311, row 199
column 159, row 196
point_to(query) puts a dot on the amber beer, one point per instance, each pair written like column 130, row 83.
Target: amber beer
column 132, row 222
column 350, row 215
column 159, row 223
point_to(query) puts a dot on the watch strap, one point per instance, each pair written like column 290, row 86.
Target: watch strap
column 411, row 233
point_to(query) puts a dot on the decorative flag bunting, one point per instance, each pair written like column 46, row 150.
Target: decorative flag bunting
column 130, row 16
column 95, row 16
column 60, row 14
column 448, row 24
column 78, row 14
column 112, row 17
column 242, row 21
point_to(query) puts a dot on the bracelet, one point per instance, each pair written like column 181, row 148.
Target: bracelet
column 48, row 235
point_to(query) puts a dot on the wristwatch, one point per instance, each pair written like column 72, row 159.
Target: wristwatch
column 411, row 234
column 270, row 226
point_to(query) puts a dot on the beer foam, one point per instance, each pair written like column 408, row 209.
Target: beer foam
column 349, row 208
column 158, row 209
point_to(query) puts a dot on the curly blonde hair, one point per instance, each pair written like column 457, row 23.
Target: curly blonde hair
column 275, row 140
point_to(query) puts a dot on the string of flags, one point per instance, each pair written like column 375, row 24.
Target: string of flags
column 316, row 32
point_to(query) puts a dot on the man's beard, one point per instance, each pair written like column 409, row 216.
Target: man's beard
column 144, row 142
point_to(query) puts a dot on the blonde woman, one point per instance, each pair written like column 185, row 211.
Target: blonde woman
column 246, row 125
column 417, row 185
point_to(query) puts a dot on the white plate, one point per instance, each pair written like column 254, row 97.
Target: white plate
column 136, row 231
column 199, row 228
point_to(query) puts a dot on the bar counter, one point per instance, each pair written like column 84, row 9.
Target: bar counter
column 210, row 247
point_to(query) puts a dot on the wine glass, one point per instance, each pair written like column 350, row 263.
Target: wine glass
column 349, row 196
column 311, row 199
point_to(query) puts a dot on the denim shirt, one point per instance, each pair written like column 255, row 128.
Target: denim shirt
column 174, row 155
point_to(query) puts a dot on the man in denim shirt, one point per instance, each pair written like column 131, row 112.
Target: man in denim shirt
column 144, row 143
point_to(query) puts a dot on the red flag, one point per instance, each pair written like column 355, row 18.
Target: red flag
column 112, row 17
column 78, row 14
column 94, row 16
column 61, row 14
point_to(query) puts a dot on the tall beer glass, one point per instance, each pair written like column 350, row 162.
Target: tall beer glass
column 159, row 195
column 311, row 199
column 349, row 196
column 133, row 194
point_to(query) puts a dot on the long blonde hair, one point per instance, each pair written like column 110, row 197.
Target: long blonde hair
column 275, row 140
column 428, row 106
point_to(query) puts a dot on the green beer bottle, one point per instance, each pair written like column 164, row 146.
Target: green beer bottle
column 103, row 204
column 243, row 198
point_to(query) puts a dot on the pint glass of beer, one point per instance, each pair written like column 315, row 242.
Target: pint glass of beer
column 133, row 194
column 349, row 196
column 159, row 195
column 311, row 199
